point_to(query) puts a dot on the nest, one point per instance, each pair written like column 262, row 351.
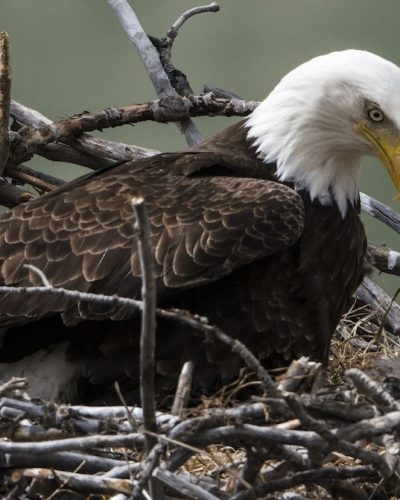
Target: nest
column 305, row 433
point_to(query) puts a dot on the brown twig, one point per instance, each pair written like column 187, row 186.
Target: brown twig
column 163, row 110
column 85, row 150
column 39, row 180
column 79, row 443
column 5, row 90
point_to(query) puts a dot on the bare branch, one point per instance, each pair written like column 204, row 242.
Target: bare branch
column 386, row 309
column 82, row 482
column 85, row 150
column 163, row 110
column 373, row 391
column 173, row 31
column 306, row 477
column 65, row 460
column 148, row 325
column 151, row 61
column 385, row 259
column 380, row 211
column 177, row 78
column 39, row 180
column 183, row 487
column 5, row 90
column 77, row 443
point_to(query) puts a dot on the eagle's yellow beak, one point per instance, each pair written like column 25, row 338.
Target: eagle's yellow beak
column 389, row 152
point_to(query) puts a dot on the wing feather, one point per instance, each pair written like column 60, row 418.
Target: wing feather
column 202, row 227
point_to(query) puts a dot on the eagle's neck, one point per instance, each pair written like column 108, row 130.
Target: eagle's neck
column 307, row 147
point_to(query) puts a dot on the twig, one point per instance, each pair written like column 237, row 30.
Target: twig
column 148, row 324
column 251, row 468
column 254, row 435
column 254, row 413
column 371, row 390
column 147, row 335
column 368, row 428
column 173, row 31
column 385, row 259
column 83, row 418
column 182, row 486
column 300, row 370
column 183, row 389
column 63, row 460
column 5, row 89
column 15, row 383
column 177, row 78
column 380, row 211
column 162, row 110
column 307, row 477
column 26, row 175
column 82, row 482
column 335, row 441
column 225, row 94
column 151, row 61
column 386, row 308
column 85, row 150
column 151, row 462
column 80, row 443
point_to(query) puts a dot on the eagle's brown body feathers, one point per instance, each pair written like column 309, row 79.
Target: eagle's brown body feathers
column 260, row 260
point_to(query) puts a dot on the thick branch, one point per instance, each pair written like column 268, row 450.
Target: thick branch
column 85, row 150
column 151, row 61
column 163, row 110
column 82, row 482
column 385, row 259
column 380, row 211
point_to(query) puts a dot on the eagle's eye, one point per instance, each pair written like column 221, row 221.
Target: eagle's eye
column 375, row 114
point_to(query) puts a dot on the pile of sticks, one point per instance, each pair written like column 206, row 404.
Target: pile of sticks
column 300, row 437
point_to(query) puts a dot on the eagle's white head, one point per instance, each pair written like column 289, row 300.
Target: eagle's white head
column 324, row 116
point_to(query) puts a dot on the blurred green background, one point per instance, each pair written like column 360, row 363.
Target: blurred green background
column 72, row 55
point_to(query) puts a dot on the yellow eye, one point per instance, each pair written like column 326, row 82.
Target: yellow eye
column 375, row 114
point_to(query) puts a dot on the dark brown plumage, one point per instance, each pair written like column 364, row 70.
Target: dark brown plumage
column 262, row 261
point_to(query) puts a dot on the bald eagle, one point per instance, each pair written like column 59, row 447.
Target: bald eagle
column 256, row 228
